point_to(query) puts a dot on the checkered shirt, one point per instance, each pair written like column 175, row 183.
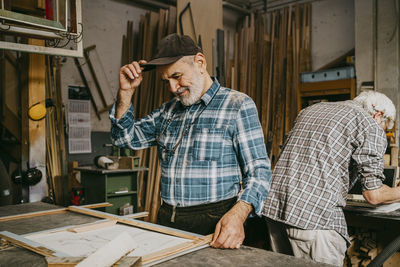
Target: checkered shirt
column 311, row 179
column 221, row 152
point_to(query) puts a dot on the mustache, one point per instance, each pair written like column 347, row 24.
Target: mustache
column 182, row 90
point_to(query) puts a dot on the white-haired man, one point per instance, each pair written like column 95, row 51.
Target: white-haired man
column 210, row 144
column 312, row 177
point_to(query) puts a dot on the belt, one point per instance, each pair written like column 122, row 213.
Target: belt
column 198, row 208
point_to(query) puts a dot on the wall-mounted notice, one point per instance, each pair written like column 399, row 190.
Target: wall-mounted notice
column 79, row 126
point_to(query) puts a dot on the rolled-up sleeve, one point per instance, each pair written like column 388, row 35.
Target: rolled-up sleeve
column 252, row 156
column 369, row 157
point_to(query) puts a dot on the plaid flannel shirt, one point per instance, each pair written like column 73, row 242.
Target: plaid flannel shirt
column 219, row 148
column 311, row 179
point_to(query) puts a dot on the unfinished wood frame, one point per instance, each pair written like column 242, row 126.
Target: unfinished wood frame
column 48, row 212
column 195, row 241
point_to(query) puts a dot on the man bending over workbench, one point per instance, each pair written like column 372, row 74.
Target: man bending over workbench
column 330, row 146
column 210, row 144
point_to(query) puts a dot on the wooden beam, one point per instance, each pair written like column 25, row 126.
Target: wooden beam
column 73, row 261
column 176, row 249
column 137, row 215
column 326, row 85
column 111, row 252
column 207, row 18
column 37, row 129
column 92, row 226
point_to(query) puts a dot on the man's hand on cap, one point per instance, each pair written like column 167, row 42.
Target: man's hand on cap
column 130, row 76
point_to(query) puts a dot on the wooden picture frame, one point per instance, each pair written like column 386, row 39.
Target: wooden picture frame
column 195, row 241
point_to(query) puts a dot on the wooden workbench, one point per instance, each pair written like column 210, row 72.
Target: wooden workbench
column 246, row 256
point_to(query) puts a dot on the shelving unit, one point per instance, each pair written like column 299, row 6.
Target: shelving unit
column 336, row 90
column 117, row 187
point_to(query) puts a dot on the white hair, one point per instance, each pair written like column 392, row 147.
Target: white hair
column 373, row 102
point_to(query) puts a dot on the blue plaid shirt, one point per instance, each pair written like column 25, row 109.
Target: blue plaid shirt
column 208, row 151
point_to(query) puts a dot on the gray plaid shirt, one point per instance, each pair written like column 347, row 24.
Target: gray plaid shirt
column 311, row 179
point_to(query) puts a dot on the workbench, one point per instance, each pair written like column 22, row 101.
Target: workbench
column 362, row 217
column 245, row 256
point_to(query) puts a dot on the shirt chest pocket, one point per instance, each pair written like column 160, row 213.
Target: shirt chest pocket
column 207, row 144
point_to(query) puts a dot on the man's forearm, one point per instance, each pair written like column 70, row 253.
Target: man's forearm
column 383, row 195
column 124, row 99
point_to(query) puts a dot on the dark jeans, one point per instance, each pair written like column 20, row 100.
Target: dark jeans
column 200, row 219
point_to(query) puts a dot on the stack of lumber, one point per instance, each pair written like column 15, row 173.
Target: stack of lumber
column 363, row 248
column 150, row 95
column 56, row 164
column 269, row 52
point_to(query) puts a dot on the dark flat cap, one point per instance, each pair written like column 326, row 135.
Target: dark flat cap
column 170, row 49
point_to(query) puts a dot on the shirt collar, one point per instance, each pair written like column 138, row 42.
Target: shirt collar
column 206, row 98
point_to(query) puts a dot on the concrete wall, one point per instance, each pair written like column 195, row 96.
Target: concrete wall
column 332, row 32
column 105, row 22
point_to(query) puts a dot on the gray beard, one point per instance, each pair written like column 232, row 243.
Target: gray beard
column 194, row 93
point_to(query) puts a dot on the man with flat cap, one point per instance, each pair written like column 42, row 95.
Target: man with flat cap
column 215, row 169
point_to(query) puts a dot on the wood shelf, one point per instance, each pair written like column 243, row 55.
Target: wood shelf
column 344, row 89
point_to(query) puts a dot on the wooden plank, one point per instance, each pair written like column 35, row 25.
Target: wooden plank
column 38, row 248
column 297, row 54
column 265, row 92
column 289, row 74
column 326, row 92
column 73, row 261
column 91, row 226
column 37, row 129
column 228, row 71
column 327, row 85
column 235, row 72
column 129, row 262
column 61, row 133
column 111, row 252
column 244, row 57
column 148, row 226
column 63, row 261
column 282, row 80
column 24, row 60
column 207, row 18
column 172, row 19
column 176, row 249
column 259, row 37
column 275, row 93
column 48, row 212
column 268, row 120
column 137, row 215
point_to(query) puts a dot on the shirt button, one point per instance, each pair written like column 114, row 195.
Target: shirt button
column 185, row 163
